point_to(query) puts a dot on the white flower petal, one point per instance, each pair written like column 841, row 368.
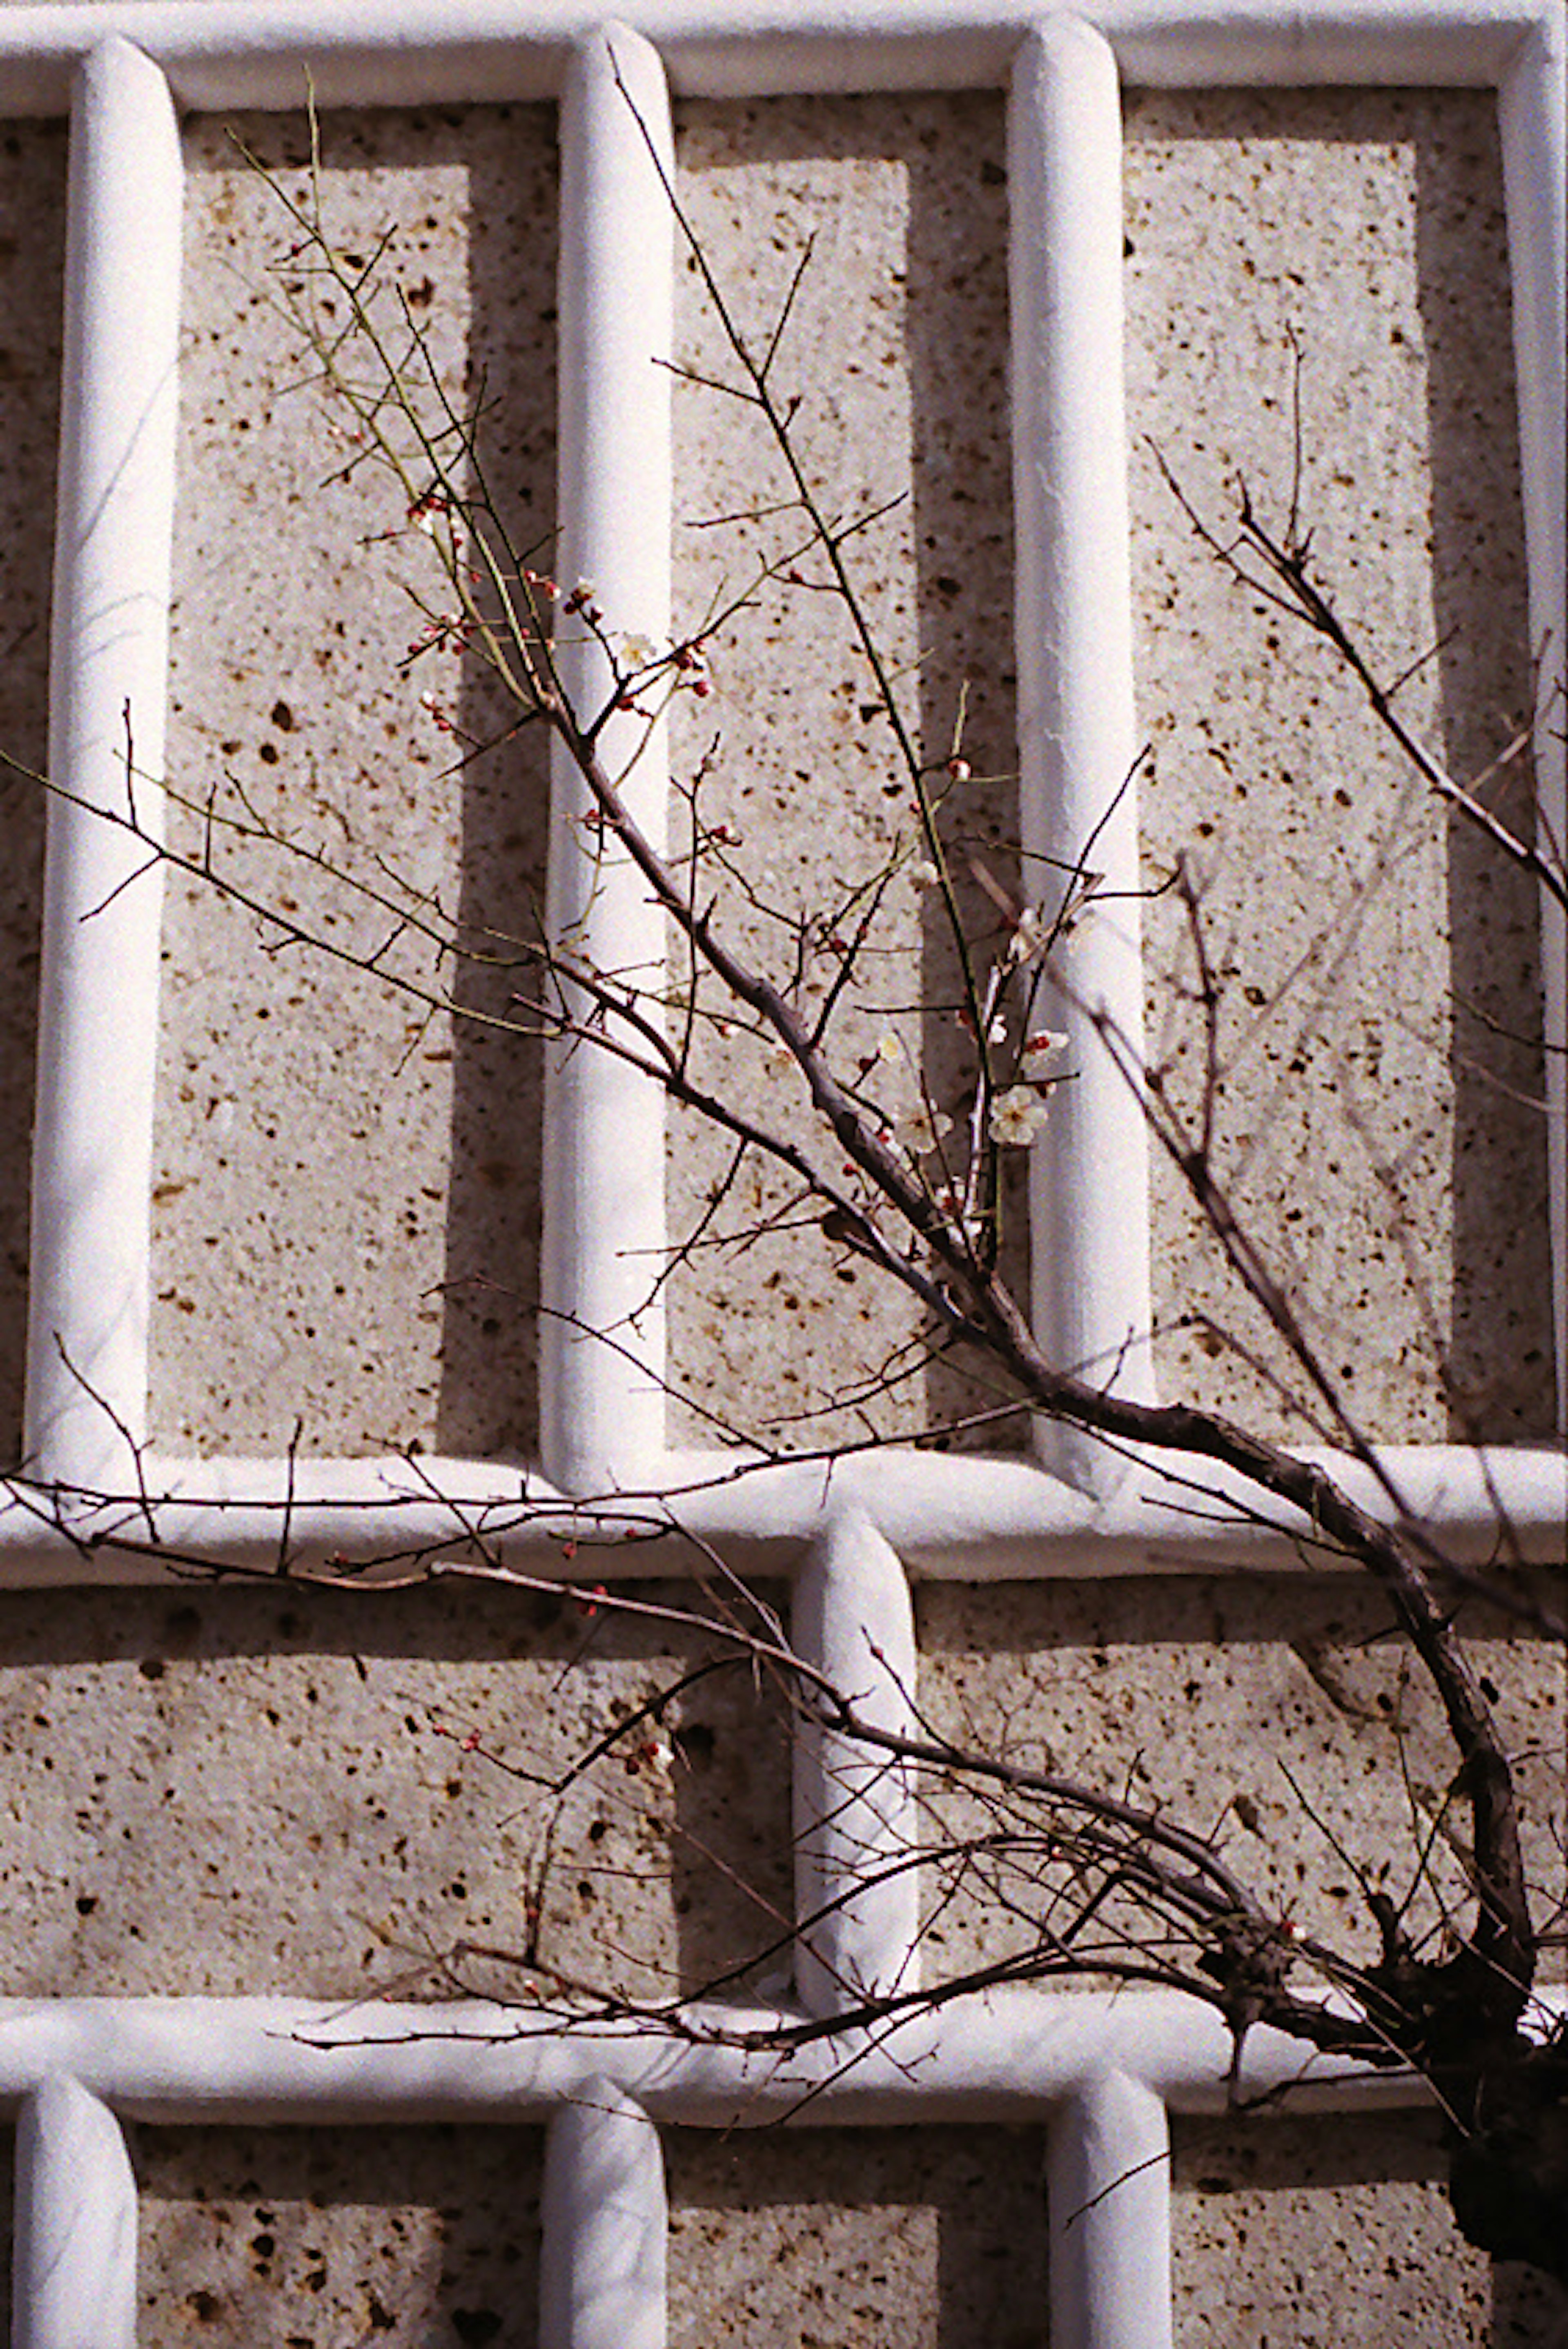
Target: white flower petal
column 1016, row 1117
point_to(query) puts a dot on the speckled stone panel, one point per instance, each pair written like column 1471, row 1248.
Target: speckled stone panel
column 243, row 1791
column 895, row 349
column 1335, row 2234
column 31, row 253
column 1208, row 1699
column 414, row 2238
column 1378, row 1104
column 815, row 2238
column 252, row 1790
column 347, row 1200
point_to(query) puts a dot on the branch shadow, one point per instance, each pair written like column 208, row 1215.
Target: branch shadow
column 1488, row 1354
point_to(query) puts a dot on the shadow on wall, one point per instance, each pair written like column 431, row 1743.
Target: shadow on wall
column 933, row 2236
column 1502, row 1376
column 959, row 345
column 1368, row 226
column 346, row 1219
column 951, row 295
column 956, row 315
column 306, row 2234
column 486, row 1400
column 32, row 261
column 1498, row 1366
column 251, row 1789
column 489, row 1347
column 1336, row 2229
column 896, row 352
column 1283, row 1711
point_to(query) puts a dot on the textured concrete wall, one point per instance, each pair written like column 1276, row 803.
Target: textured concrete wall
column 232, row 1790
column 897, row 345
column 1376, row 961
column 378, row 1243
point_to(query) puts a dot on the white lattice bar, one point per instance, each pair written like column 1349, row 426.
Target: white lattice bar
column 1101, row 2069
column 1522, row 44
column 856, row 1897
column 1531, row 107
column 1076, row 733
column 1009, row 2056
column 73, row 2283
column 98, row 1016
column 602, row 1342
column 253, row 53
column 1109, row 2189
column 606, row 2224
column 944, row 1517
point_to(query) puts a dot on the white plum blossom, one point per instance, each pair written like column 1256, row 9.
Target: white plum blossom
column 638, row 651
column 969, row 1228
column 1043, row 1053
column 426, row 508
column 1017, row 1116
column 923, row 873
column 1031, row 937
column 919, row 1130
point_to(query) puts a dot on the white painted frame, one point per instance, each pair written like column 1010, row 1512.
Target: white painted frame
column 126, row 69
column 1101, row 2074
column 1104, row 2071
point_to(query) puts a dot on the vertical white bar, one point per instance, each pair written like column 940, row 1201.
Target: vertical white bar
column 74, row 2280
column 853, row 1813
column 97, row 1033
column 1531, row 107
column 606, row 2224
column 1109, row 2185
column 602, row 1342
column 1077, row 740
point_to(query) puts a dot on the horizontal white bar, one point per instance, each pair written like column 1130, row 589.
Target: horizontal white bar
column 230, row 53
column 73, row 2283
column 968, row 1520
column 1009, row 2055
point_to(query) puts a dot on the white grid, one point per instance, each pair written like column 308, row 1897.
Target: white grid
column 1102, row 2073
